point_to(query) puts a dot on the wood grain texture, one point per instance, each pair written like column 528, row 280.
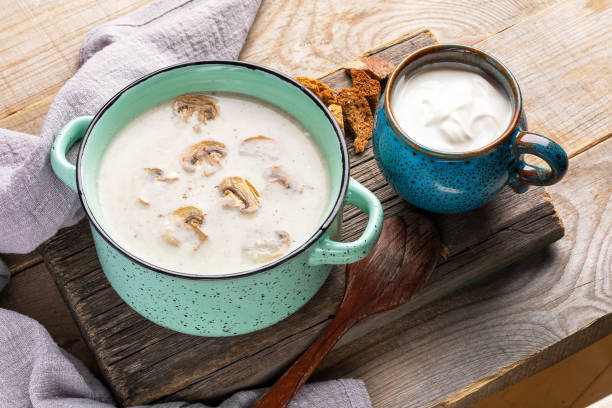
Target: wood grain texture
column 562, row 61
column 39, row 51
column 302, row 37
column 598, row 389
column 144, row 362
column 559, row 51
column 39, row 41
column 462, row 348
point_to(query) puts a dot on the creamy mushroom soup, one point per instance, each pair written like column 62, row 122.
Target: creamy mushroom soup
column 212, row 184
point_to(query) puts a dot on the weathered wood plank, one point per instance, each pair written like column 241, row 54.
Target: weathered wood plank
column 20, row 262
column 558, row 50
column 144, row 362
column 462, row 348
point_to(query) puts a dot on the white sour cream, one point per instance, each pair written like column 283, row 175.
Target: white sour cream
column 450, row 110
column 236, row 241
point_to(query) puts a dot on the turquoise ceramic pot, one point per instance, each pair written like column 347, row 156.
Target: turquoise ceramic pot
column 244, row 301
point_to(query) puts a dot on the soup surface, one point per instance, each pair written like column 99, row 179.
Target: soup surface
column 212, row 184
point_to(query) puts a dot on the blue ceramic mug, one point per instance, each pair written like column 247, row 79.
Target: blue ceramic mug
column 446, row 182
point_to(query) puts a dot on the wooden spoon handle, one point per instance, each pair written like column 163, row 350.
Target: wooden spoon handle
column 281, row 393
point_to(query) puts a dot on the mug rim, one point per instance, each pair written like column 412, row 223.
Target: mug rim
column 323, row 226
column 488, row 59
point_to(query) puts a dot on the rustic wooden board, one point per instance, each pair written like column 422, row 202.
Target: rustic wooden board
column 143, row 362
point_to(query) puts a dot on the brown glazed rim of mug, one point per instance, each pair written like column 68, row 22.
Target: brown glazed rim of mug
column 487, row 59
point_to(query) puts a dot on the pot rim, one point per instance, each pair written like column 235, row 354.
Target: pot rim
column 309, row 242
column 488, row 59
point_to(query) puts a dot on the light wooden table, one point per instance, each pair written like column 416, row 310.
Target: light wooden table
column 480, row 339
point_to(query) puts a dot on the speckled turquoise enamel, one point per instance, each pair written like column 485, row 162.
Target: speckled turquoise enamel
column 240, row 302
column 456, row 182
column 222, row 307
column 443, row 185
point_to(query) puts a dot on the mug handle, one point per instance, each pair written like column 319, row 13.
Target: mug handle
column 545, row 149
column 72, row 132
column 328, row 251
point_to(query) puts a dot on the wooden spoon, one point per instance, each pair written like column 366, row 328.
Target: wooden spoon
column 395, row 270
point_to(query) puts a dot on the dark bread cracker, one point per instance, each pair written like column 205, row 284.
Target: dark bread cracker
column 336, row 110
column 321, row 90
column 358, row 116
column 369, row 87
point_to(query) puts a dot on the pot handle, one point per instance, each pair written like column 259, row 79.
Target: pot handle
column 328, row 251
column 68, row 136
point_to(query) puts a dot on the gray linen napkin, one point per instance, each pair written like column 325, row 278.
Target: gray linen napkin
column 35, row 372
column 34, row 204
